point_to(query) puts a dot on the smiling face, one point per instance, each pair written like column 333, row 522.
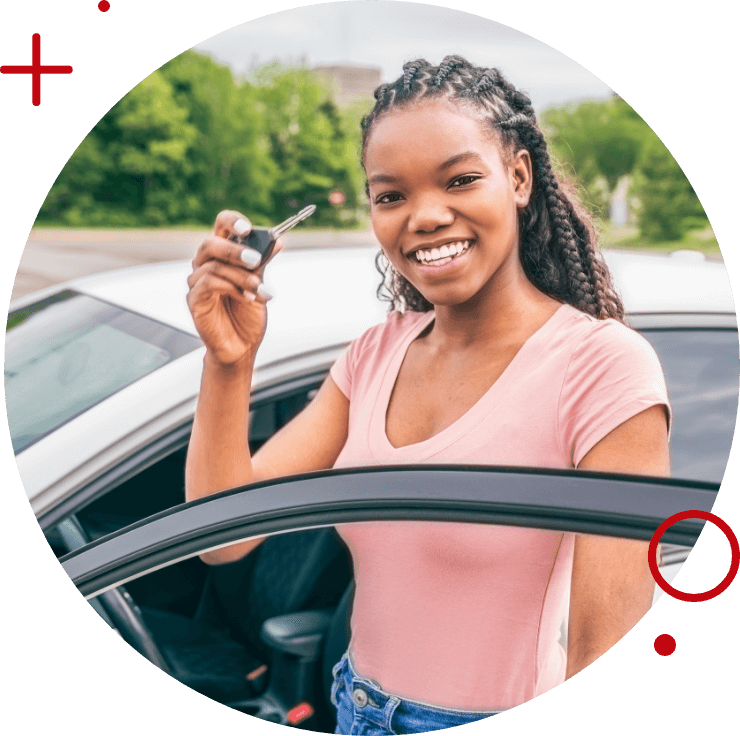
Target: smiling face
column 444, row 201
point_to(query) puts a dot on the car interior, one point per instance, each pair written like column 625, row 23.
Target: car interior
column 261, row 634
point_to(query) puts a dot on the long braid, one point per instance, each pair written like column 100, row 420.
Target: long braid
column 558, row 249
column 586, row 275
column 565, row 238
column 586, row 269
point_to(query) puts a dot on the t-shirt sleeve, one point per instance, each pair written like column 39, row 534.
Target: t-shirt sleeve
column 341, row 371
column 355, row 357
column 613, row 375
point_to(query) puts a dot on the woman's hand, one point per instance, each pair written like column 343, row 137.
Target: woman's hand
column 227, row 298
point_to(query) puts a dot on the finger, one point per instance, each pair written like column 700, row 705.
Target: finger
column 231, row 224
column 213, row 285
column 242, row 279
column 221, row 249
column 208, row 281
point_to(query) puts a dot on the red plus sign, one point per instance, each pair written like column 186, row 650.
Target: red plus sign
column 36, row 69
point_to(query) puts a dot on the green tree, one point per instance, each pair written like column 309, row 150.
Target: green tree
column 132, row 167
column 72, row 196
column 151, row 145
column 190, row 140
column 668, row 204
column 309, row 142
column 599, row 142
column 230, row 159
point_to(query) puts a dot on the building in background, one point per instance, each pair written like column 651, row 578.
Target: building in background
column 349, row 83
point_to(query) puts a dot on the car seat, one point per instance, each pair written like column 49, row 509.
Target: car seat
column 218, row 652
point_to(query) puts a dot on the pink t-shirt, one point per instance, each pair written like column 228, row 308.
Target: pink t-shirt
column 467, row 616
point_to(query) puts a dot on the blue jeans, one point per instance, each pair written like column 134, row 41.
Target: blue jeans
column 363, row 709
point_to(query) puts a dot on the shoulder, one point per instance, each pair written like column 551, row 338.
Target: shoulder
column 601, row 344
column 612, row 341
column 377, row 343
column 384, row 336
column 613, row 374
column 609, row 362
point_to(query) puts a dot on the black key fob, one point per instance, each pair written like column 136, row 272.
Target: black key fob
column 262, row 240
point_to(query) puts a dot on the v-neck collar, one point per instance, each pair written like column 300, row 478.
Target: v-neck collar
column 379, row 444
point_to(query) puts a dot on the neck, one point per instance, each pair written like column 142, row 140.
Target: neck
column 507, row 309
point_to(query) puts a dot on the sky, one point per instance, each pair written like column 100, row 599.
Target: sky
column 385, row 34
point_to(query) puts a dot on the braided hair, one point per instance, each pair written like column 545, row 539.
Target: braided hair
column 558, row 248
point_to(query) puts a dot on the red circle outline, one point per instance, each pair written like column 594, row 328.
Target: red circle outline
column 653, row 556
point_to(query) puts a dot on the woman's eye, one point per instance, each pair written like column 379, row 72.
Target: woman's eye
column 387, row 198
column 461, row 181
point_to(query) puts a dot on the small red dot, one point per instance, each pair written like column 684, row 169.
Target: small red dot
column 103, row 6
column 665, row 644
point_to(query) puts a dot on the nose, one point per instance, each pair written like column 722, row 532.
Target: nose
column 430, row 213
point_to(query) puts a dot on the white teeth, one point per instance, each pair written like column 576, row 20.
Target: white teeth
column 443, row 254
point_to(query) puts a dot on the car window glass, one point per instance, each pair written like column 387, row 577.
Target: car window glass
column 161, row 485
column 69, row 352
column 702, row 372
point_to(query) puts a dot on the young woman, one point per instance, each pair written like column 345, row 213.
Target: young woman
column 506, row 346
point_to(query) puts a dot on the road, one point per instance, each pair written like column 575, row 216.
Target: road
column 52, row 256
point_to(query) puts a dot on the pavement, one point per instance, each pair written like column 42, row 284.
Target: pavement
column 55, row 255
column 52, row 255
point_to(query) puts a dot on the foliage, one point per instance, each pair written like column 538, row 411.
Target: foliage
column 309, row 142
column 668, row 206
column 230, row 161
column 601, row 142
column 132, row 167
column 191, row 140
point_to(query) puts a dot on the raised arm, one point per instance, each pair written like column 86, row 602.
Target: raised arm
column 228, row 302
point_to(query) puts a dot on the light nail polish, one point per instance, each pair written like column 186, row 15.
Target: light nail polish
column 264, row 293
column 241, row 226
column 251, row 257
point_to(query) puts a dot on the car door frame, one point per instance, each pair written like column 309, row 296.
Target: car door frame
column 586, row 502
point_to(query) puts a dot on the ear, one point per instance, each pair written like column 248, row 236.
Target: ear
column 520, row 170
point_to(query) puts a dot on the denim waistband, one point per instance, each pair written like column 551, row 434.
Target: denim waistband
column 381, row 694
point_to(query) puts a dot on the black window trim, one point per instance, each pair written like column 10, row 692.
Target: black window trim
column 571, row 501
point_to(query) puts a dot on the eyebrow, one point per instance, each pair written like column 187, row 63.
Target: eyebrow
column 460, row 158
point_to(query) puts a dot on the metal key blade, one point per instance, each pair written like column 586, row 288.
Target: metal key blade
column 291, row 222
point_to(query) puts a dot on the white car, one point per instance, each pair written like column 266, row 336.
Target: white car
column 102, row 376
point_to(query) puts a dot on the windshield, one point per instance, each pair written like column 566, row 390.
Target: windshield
column 68, row 352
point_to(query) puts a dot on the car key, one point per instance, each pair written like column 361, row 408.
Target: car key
column 263, row 239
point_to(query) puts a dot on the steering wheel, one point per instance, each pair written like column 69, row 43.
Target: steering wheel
column 119, row 607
